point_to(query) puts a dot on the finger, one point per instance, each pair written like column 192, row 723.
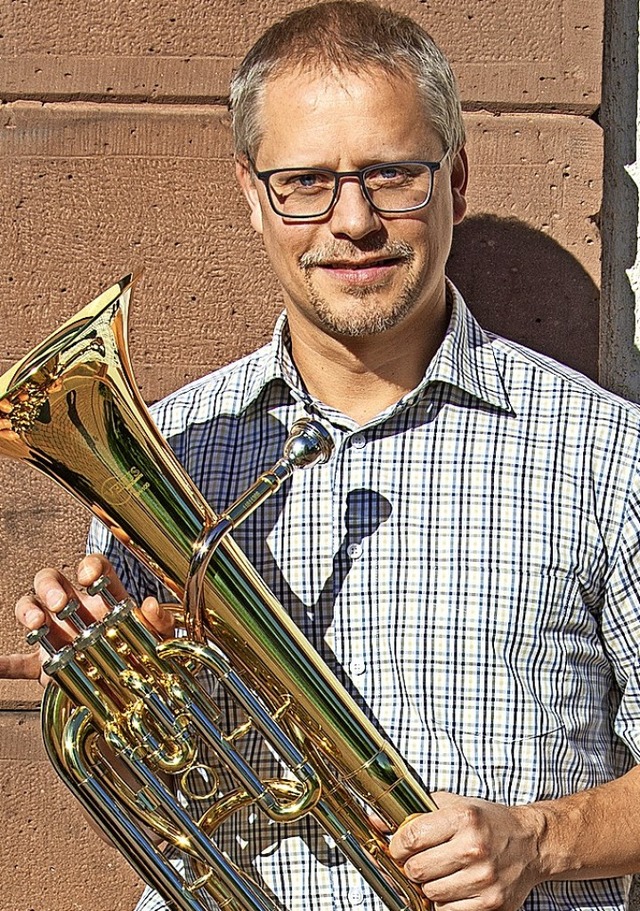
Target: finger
column 421, row 833
column 458, row 892
column 93, row 566
column 30, row 613
column 20, row 667
column 91, row 569
column 53, row 590
column 33, row 616
column 156, row 616
column 53, row 593
column 435, row 864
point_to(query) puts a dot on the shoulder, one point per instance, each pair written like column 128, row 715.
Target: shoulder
column 227, row 390
column 535, row 381
column 576, row 435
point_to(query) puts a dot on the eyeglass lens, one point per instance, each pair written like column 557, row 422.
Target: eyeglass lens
column 392, row 187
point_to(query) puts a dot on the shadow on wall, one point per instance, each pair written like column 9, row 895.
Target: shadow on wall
column 522, row 284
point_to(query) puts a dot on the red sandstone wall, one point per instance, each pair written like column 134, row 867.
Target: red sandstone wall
column 116, row 156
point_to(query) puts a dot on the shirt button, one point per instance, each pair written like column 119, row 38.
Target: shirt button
column 357, row 667
column 358, row 441
column 356, row 897
column 354, row 551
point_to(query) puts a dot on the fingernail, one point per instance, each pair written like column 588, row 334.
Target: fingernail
column 86, row 574
column 33, row 619
column 54, row 599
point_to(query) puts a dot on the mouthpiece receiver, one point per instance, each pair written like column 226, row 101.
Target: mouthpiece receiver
column 309, row 443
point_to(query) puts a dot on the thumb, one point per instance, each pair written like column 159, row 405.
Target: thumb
column 158, row 616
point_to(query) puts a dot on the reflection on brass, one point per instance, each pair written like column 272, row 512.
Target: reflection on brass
column 207, row 774
column 129, row 715
column 22, row 409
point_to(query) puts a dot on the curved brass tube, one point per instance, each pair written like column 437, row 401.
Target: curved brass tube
column 72, row 410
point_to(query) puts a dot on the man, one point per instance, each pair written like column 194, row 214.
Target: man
column 467, row 561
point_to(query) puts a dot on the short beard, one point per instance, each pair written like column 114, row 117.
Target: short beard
column 368, row 323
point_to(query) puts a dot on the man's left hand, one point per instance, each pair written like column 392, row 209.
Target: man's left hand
column 470, row 854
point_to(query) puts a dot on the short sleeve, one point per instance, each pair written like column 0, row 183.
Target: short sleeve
column 621, row 622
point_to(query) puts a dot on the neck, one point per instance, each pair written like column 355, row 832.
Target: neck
column 363, row 376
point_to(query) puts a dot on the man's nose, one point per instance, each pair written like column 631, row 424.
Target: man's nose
column 352, row 215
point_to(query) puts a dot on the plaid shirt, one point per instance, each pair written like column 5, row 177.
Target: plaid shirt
column 466, row 562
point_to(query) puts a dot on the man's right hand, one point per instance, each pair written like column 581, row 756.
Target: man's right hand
column 51, row 593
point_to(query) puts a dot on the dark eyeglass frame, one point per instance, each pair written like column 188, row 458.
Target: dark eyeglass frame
column 339, row 176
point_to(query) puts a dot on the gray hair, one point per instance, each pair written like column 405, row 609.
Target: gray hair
column 346, row 36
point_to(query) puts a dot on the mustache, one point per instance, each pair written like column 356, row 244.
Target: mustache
column 341, row 252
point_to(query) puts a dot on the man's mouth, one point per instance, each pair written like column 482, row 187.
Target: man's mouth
column 357, row 268
column 350, row 265
column 360, row 272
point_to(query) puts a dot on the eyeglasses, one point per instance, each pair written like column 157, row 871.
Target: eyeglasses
column 389, row 188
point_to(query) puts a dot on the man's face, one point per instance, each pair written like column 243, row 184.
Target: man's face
column 354, row 272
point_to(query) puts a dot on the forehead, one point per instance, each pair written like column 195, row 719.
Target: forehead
column 305, row 116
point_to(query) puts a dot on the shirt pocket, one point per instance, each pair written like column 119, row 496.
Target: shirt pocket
column 506, row 770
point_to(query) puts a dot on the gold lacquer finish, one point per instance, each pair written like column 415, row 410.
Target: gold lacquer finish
column 128, row 718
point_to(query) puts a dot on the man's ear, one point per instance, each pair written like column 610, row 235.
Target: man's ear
column 459, row 180
column 249, row 188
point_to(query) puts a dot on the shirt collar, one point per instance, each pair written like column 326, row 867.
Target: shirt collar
column 465, row 359
column 275, row 364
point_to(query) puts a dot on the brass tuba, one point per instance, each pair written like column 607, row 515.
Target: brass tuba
column 128, row 713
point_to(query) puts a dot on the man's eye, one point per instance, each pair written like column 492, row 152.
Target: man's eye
column 390, row 174
column 310, row 180
column 298, row 182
